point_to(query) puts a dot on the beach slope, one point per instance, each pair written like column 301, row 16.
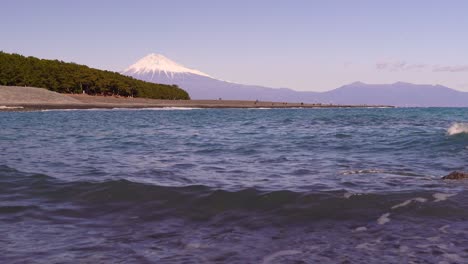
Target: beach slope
column 13, row 95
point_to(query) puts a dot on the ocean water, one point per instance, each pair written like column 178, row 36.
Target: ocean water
column 233, row 186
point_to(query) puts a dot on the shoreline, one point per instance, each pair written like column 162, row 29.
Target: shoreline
column 205, row 104
column 32, row 99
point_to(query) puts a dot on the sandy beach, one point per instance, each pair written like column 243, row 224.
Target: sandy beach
column 29, row 98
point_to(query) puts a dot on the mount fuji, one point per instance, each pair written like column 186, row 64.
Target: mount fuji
column 159, row 69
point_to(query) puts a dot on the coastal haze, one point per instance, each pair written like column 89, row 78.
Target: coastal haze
column 157, row 68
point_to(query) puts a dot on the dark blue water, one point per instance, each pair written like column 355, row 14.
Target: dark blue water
column 233, row 186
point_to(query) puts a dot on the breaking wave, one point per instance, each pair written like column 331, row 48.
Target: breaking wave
column 457, row 128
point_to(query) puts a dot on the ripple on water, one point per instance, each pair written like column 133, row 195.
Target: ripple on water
column 232, row 185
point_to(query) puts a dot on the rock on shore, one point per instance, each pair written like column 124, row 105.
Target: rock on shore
column 456, row 175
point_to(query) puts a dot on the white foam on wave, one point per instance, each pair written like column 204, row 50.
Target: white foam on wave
column 75, row 109
column 403, row 204
column 378, row 107
column 457, row 128
column 407, row 202
column 122, row 109
column 348, row 195
column 10, row 107
column 260, row 108
column 383, row 219
column 365, row 246
column 442, row 196
column 370, row 246
column 157, row 108
column 368, row 171
column 360, row 229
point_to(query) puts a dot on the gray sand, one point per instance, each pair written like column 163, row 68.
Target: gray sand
column 13, row 95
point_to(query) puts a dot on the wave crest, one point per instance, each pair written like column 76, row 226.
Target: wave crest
column 457, row 128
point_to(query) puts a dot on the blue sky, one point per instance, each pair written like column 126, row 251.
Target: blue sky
column 304, row 45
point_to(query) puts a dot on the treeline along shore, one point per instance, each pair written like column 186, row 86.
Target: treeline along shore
column 71, row 78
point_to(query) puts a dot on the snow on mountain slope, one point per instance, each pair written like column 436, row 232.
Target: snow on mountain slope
column 157, row 64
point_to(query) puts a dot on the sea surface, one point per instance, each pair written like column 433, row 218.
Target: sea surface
column 180, row 185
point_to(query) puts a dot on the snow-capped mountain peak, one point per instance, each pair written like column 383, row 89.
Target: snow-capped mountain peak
column 159, row 64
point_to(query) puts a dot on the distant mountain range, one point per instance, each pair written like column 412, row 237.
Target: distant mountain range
column 159, row 69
